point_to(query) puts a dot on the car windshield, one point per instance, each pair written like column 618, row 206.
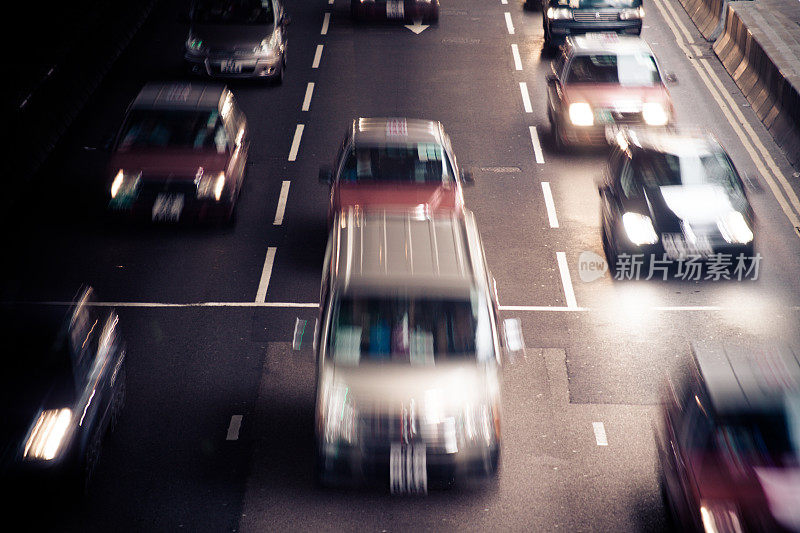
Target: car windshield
column 405, row 163
column 657, row 169
column 634, row 69
column 595, row 4
column 234, row 12
column 192, row 129
column 409, row 329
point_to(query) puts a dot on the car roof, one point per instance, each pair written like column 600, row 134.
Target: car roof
column 387, row 130
column 598, row 43
column 179, row 96
column 382, row 250
column 679, row 144
column 740, row 379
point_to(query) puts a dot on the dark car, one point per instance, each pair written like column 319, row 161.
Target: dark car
column 181, row 154
column 729, row 447
column 237, row 39
column 561, row 18
column 673, row 196
column 399, row 10
column 63, row 387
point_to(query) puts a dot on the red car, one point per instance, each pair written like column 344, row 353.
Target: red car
column 403, row 10
column 396, row 162
column 180, row 155
column 730, row 445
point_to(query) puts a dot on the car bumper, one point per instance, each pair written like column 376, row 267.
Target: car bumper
column 560, row 29
column 601, row 134
column 245, row 67
column 192, row 210
column 411, row 11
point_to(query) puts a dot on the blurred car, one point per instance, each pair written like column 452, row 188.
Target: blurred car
column 180, row 154
column 729, row 448
column 403, row 10
column 408, row 354
column 396, row 162
column 601, row 82
column 561, row 18
column 673, row 195
column 63, row 387
column 237, row 39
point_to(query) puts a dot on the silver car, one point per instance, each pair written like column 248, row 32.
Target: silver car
column 237, row 39
column 408, row 353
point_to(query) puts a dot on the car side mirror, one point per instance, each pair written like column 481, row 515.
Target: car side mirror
column 286, row 20
column 551, row 79
column 671, row 78
column 326, row 174
column 467, row 177
column 513, row 340
column 304, row 337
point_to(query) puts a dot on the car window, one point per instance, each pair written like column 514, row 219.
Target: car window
column 234, row 12
column 404, row 163
column 190, row 129
column 626, row 179
column 634, row 69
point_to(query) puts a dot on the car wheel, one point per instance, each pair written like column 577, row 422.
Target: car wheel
column 119, row 398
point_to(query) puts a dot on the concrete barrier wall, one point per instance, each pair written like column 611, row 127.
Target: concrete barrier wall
column 770, row 92
column 705, row 14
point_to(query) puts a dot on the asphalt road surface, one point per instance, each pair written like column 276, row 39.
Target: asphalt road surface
column 218, row 430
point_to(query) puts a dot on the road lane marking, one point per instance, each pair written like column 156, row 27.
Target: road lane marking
column 549, row 204
column 298, row 134
column 266, row 273
column 526, row 98
column 281, row 203
column 517, row 59
column 566, row 280
column 537, row 146
column 600, row 434
column 307, row 98
column 537, row 308
column 504, row 2
column 234, row 427
column 317, row 57
column 509, row 24
column 325, row 22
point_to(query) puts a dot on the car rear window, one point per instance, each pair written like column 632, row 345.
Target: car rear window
column 193, row 129
column 405, row 163
column 635, row 69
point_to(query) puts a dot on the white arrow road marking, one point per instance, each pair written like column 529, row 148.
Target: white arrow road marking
column 418, row 27
column 234, row 427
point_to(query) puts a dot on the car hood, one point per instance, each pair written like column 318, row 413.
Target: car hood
column 168, row 163
column 245, row 36
column 435, row 198
column 617, row 97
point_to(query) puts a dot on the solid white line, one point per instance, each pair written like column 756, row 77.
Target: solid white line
column 537, row 147
column 307, row 99
column 281, row 203
column 298, row 134
column 549, row 204
column 566, row 280
column 504, row 2
column 526, row 98
column 325, row 22
column 540, row 308
column 517, row 60
column 688, row 308
column 234, row 427
column 317, row 57
column 600, row 434
column 266, row 273
column 509, row 24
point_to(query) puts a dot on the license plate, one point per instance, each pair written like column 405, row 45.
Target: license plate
column 168, row 207
column 408, row 469
column 395, row 9
column 676, row 246
column 231, row 66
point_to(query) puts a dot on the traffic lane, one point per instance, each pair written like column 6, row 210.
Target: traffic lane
column 188, row 372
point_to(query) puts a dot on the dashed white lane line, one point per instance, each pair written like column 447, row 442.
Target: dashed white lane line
column 537, row 146
column 526, row 98
column 266, row 273
column 298, row 134
column 566, row 279
column 307, row 98
column 234, row 427
column 325, row 22
column 317, row 57
column 281, row 203
column 549, row 204
column 509, row 24
column 600, row 434
column 504, row 2
column 517, row 59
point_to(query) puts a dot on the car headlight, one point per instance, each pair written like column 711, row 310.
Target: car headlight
column 195, row 45
column 734, row 228
column 559, row 13
column 720, row 517
column 210, row 186
column 654, row 114
column 48, row 434
column 639, row 229
column 125, row 183
column 268, row 47
column 580, row 114
column 632, row 13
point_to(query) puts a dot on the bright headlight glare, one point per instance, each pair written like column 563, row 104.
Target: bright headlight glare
column 210, row 185
column 559, row 13
column 654, row 114
column 124, row 183
column 218, row 186
column 580, row 114
column 267, row 47
column 734, row 228
column 339, row 415
column 47, row 436
column 632, row 13
column 639, row 229
column 720, row 517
